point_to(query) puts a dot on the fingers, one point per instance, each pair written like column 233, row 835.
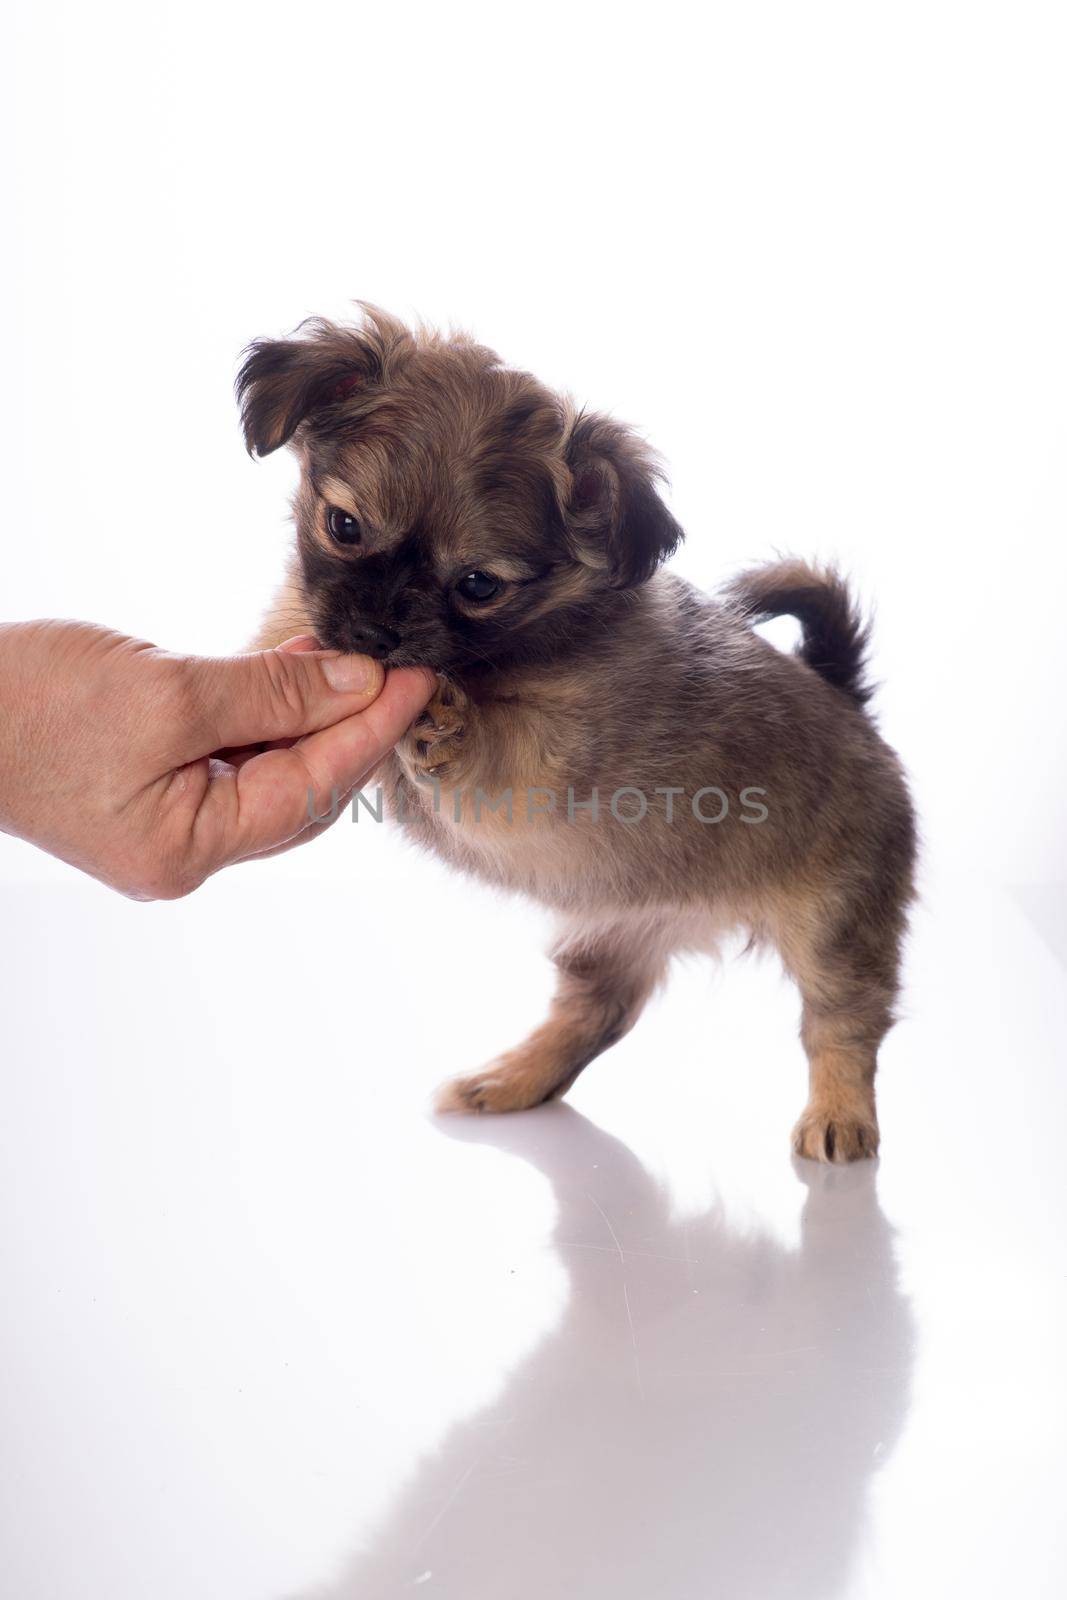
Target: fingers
column 300, row 644
column 275, row 796
column 274, row 694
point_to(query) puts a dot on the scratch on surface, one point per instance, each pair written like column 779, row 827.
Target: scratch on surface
column 689, row 1263
column 728, row 1372
column 607, row 1221
column 643, row 1255
column 633, row 1341
column 453, row 1496
column 794, row 1350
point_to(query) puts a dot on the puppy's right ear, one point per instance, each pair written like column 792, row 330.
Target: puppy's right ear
column 614, row 514
column 283, row 382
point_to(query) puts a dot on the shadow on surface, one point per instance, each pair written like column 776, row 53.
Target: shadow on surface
column 705, row 1420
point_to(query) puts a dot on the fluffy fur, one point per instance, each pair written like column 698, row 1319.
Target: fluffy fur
column 587, row 684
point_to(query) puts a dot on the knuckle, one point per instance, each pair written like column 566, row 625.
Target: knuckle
column 152, row 885
column 287, row 687
column 145, row 886
column 181, row 691
column 171, row 886
column 165, row 879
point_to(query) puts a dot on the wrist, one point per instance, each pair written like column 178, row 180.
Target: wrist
column 14, row 638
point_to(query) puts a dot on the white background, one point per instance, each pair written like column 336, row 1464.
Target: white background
column 818, row 254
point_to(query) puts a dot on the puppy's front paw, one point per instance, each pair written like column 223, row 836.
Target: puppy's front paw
column 437, row 739
column 499, row 1087
column 836, row 1133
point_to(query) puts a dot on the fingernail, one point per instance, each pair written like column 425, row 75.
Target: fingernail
column 350, row 674
column 299, row 644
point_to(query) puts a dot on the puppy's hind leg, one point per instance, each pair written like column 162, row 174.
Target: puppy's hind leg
column 839, row 1122
column 847, row 974
column 604, row 980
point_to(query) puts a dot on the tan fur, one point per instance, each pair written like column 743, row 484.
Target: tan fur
column 586, row 670
column 287, row 617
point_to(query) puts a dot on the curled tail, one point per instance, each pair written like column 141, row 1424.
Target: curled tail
column 835, row 634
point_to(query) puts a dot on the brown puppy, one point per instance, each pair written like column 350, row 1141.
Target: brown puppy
column 455, row 513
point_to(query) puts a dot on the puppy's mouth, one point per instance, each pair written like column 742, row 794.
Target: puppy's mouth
column 383, row 644
column 402, row 656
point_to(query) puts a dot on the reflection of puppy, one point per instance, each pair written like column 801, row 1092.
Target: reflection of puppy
column 604, row 738
column 706, row 1417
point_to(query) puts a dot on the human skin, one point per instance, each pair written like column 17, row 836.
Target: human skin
column 152, row 770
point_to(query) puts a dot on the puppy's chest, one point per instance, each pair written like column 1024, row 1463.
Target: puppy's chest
column 516, row 836
column 506, row 796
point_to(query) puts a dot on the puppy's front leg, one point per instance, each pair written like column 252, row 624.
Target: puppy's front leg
column 603, row 985
column 439, row 744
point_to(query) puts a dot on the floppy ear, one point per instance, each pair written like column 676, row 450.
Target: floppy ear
column 614, row 513
column 283, row 381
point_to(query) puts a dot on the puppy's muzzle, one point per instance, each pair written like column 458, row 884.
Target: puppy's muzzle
column 371, row 639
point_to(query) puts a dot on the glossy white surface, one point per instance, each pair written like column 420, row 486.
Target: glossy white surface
column 271, row 1332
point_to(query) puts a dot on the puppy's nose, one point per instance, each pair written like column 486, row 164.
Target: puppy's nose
column 370, row 639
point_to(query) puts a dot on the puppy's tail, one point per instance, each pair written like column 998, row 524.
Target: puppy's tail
column 835, row 634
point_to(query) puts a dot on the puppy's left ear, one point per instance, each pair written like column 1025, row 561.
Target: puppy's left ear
column 614, row 513
column 285, row 382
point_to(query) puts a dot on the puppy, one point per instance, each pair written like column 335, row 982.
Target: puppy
column 604, row 738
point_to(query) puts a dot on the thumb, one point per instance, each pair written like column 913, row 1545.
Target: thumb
column 276, row 694
column 278, row 795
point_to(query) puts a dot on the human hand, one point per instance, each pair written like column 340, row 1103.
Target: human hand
column 152, row 770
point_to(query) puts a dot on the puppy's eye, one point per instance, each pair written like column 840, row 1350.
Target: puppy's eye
column 478, row 586
column 344, row 527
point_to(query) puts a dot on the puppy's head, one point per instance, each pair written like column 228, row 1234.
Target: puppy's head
column 451, row 513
